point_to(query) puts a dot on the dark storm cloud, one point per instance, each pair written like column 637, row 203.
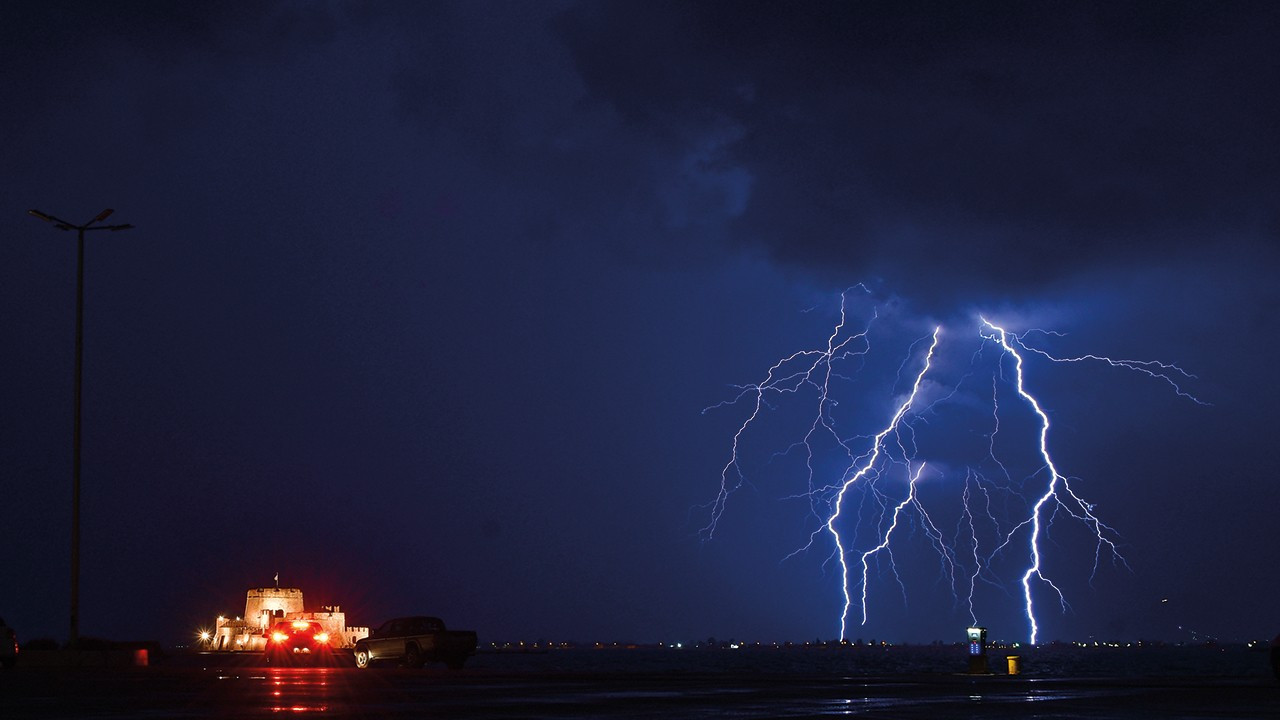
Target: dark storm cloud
column 1006, row 144
column 494, row 84
column 177, row 63
column 74, row 29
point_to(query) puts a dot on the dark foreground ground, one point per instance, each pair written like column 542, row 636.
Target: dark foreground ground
column 618, row 687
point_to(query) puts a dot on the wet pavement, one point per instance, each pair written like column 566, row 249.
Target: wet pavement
column 345, row 692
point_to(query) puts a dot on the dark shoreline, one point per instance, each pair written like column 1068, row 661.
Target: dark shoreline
column 1045, row 661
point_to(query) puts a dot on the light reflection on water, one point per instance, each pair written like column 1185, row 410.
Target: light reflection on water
column 299, row 690
column 854, row 706
column 649, row 686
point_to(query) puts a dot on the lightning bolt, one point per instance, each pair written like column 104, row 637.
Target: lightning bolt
column 870, row 470
column 883, row 546
column 1058, row 491
column 791, row 374
column 856, row 473
column 1168, row 372
column 967, row 519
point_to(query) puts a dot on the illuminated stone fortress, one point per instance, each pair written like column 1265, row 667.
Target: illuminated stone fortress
column 263, row 607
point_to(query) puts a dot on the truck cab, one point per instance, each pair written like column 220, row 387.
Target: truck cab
column 416, row 641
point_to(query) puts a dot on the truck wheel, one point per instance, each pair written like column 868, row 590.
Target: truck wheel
column 413, row 656
column 362, row 657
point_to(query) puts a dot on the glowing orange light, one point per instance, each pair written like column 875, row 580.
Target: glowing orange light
column 322, row 637
column 279, row 637
column 301, row 624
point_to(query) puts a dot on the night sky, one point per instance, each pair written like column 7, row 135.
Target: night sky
column 424, row 303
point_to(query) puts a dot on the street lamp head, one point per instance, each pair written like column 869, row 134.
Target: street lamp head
column 57, row 222
column 64, row 225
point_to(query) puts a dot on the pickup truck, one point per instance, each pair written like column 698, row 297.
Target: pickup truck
column 415, row 641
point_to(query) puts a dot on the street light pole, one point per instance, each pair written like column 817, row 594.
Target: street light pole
column 73, row 640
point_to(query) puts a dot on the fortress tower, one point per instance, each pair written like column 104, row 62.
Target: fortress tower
column 263, row 605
